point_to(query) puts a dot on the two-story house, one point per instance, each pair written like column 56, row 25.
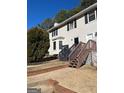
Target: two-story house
column 80, row 27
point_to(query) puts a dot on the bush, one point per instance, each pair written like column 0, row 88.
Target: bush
column 37, row 44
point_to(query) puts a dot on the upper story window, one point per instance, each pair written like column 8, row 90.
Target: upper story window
column 71, row 25
column 55, row 33
column 90, row 16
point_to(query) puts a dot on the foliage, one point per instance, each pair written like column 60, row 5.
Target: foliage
column 64, row 14
column 74, row 11
column 46, row 24
column 37, row 44
column 85, row 3
column 61, row 16
column 38, row 39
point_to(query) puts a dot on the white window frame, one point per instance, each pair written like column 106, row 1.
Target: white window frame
column 72, row 25
column 91, row 14
column 88, row 15
column 55, row 33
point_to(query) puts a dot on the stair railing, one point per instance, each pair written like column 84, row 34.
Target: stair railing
column 89, row 46
column 61, row 53
column 75, row 51
column 72, row 47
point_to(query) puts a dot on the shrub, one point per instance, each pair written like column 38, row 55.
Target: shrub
column 37, row 44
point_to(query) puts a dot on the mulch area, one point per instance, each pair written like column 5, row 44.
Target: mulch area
column 31, row 73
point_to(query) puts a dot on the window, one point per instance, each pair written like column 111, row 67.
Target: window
column 54, row 45
column 71, row 25
column 92, row 16
column 60, row 44
column 89, row 36
column 55, row 33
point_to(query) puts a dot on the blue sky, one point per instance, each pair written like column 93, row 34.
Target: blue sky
column 38, row 10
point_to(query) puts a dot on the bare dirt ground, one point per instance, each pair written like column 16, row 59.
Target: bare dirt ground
column 40, row 71
column 82, row 80
column 49, row 64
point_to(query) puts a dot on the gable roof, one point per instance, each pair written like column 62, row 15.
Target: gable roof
column 78, row 15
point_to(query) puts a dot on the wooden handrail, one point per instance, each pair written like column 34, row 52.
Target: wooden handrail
column 72, row 47
column 63, row 56
column 86, row 46
column 90, row 45
column 75, row 51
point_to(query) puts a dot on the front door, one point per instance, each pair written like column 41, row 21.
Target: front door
column 76, row 40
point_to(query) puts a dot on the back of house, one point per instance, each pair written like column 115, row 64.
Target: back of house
column 80, row 27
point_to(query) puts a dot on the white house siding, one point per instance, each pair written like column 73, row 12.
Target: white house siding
column 68, row 36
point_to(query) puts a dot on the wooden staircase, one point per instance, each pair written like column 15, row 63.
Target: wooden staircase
column 79, row 55
column 64, row 53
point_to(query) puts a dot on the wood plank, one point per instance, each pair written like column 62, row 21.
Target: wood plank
column 61, row 89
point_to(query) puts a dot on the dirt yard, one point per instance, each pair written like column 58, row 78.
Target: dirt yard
column 49, row 64
column 82, row 80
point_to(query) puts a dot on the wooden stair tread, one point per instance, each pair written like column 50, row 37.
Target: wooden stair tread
column 81, row 52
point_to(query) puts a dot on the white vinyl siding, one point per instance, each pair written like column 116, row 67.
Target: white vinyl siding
column 67, row 35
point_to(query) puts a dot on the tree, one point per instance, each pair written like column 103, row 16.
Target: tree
column 74, row 11
column 37, row 44
column 61, row 16
column 65, row 14
column 46, row 24
column 85, row 3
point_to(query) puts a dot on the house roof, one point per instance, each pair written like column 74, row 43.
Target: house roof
column 78, row 15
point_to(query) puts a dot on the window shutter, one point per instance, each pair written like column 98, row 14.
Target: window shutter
column 75, row 23
column 67, row 27
column 96, row 13
column 86, row 21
